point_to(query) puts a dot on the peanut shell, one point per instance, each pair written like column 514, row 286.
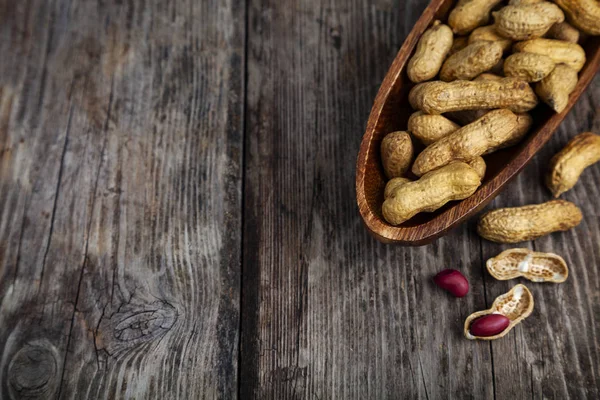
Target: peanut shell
column 583, row 14
column 516, row 305
column 430, row 128
column 396, row 153
column 560, row 52
column 532, row 265
column 471, row 61
column 567, row 165
column 527, row 21
column 563, row 31
column 452, row 182
column 529, row 67
column 469, row 14
column 431, row 51
column 554, row 89
column 519, row 224
column 440, row 97
column 470, row 141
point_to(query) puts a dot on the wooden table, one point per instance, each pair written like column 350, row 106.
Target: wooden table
column 178, row 217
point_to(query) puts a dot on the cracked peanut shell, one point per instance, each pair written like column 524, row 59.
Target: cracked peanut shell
column 529, row 264
column 516, row 305
column 519, row 224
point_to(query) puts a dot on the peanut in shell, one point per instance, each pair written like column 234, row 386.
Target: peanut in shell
column 519, row 224
column 555, row 89
column 488, row 33
column 559, row 51
column 471, row 61
column 567, row 165
column 440, row 97
column 529, row 67
column 431, row 51
column 456, row 181
column 527, row 21
column 396, row 153
column 469, row 14
column 473, row 140
column 516, row 305
column 430, row 128
column 583, row 14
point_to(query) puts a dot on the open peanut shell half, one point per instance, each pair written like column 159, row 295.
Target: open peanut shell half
column 516, row 305
column 537, row 267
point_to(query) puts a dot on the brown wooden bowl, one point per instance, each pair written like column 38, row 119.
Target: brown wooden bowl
column 390, row 113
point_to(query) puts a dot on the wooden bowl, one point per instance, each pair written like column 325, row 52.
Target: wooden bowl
column 390, row 113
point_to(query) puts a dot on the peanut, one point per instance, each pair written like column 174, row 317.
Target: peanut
column 554, row 89
column 488, row 33
column 460, row 42
column 537, row 267
column 452, row 182
column 571, row 54
column 431, row 51
column 469, row 14
column 489, row 325
column 518, row 224
column 439, row 97
column 396, row 153
column 452, row 281
column 516, row 305
column 392, row 185
column 527, row 21
column 529, row 67
column 583, row 14
column 470, row 141
column 471, row 61
column 430, row 128
column 567, row 165
column 563, row 31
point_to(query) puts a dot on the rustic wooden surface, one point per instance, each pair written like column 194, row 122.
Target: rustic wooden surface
column 178, row 218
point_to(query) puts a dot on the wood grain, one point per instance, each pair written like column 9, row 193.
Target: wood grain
column 330, row 313
column 128, row 164
column 120, row 198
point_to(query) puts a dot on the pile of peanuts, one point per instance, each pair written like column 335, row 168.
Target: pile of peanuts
column 489, row 76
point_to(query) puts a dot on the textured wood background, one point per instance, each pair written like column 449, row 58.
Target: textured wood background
column 178, row 218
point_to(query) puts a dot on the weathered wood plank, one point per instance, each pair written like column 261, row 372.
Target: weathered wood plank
column 120, row 198
column 328, row 312
column 556, row 352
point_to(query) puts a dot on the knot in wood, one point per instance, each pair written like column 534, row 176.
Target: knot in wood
column 33, row 371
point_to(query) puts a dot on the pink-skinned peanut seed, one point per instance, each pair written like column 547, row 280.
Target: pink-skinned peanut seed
column 452, row 281
column 489, row 325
